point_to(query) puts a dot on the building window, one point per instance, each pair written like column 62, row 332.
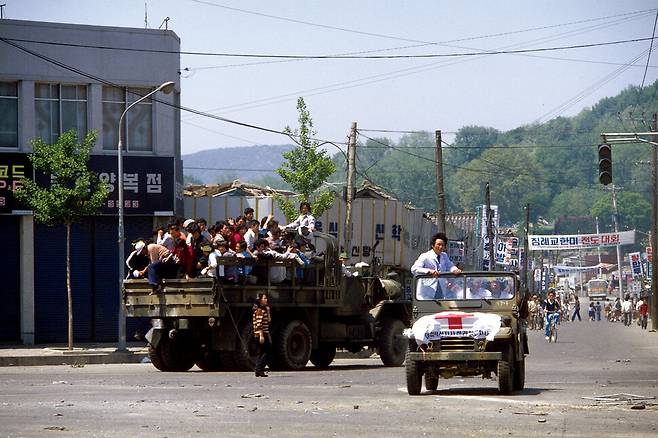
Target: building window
column 59, row 108
column 137, row 123
column 9, row 114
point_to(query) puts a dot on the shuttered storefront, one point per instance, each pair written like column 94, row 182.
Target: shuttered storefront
column 94, row 269
column 10, row 322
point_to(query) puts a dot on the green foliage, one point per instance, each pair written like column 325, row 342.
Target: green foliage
column 306, row 168
column 553, row 166
column 75, row 191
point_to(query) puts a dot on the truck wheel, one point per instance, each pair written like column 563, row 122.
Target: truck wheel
column 519, row 375
column 414, row 376
column 180, row 353
column 505, row 373
column 323, row 355
column 392, row 344
column 293, row 346
column 247, row 350
column 431, row 382
column 156, row 359
column 209, row 361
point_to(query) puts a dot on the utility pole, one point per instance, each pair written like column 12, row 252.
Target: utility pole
column 351, row 160
column 654, row 226
column 440, row 194
column 614, row 209
column 526, row 246
column 599, row 248
column 490, row 234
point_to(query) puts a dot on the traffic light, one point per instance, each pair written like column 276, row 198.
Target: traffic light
column 605, row 164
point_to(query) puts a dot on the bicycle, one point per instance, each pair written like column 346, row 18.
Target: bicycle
column 552, row 318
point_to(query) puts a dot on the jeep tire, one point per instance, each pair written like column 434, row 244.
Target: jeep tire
column 414, row 376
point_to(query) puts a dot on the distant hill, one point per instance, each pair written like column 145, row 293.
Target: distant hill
column 266, row 157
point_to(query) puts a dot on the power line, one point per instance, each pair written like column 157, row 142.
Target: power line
column 279, row 56
column 395, row 74
column 393, row 37
column 655, row 21
column 191, row 110
column 633, row 15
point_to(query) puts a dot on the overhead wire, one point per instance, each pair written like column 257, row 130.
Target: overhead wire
column 188, row 109
column 380, row 77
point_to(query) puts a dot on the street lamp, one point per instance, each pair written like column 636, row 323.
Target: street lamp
column 167, row 88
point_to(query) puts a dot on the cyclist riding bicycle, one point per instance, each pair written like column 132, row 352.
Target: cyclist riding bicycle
column 551, row 310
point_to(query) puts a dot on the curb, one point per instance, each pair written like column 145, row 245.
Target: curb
column 75, row 358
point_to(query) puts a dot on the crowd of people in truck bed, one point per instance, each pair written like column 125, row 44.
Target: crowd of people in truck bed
column 226, row 250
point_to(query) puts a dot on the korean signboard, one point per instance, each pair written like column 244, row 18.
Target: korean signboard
column 636, row 264
column 580, row 241
column 13, row 168
column 148, row 183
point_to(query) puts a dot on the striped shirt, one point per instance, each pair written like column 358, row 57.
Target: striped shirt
column 261, row 319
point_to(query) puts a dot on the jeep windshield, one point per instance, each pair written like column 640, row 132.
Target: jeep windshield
column 465, row 287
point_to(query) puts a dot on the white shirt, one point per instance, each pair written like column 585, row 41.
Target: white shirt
column 303, row 220
column 250, row 238
column 626, row 306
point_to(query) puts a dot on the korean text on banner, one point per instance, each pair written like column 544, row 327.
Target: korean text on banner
column 580, row 241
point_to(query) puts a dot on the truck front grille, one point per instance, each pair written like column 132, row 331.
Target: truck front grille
column 457, row 344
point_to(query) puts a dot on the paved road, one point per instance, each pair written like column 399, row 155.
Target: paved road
column 352, row 398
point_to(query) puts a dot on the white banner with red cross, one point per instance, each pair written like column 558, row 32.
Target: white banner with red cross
column 453, row 324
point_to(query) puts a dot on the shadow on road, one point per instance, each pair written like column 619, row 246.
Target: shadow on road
column 488, row 391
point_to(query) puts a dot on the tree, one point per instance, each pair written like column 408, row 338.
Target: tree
column 306, row 168
column 75, row 192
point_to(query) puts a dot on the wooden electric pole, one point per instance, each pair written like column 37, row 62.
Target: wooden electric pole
column 349, row 195
column 526, row 246
column 654, row 226
column 490, row 233
column 440, row 194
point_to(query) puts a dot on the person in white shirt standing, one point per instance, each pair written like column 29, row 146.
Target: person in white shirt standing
column 627, row 310
column 304, row 220
column 434, row 262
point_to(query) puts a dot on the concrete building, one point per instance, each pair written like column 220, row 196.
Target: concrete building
column 55, row 77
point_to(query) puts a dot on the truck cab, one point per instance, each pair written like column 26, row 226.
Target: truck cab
column 467, row 325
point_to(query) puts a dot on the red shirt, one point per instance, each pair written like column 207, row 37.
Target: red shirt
column 644, row 309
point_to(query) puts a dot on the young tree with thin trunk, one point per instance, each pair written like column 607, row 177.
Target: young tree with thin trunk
column 306, row 168
column 74, row 192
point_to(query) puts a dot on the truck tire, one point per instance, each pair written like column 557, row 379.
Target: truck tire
column 156, row 359
column 293, row 346
column 247, row 350
column 414, row 376
column 209, row 361
column 431, row 382
column 505, row 373
column 323, row 355
column 180, row 353
column 519, row 375
column 392, row 345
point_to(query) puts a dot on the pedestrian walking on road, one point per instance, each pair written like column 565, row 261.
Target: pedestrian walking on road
column 643, row 309
column 591, row 312
column 576, row 310
column 261, row 323
column 598, row 310
column 627, row 310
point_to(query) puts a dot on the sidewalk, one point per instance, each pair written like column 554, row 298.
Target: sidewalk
column 103, row 353
column 82, row 354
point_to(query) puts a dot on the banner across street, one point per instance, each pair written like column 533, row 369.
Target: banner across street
column 580, row 241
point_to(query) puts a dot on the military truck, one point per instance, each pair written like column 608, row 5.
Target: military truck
column 467, row 325
column 206, row 322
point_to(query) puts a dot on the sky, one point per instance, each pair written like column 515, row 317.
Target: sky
column 413, row 93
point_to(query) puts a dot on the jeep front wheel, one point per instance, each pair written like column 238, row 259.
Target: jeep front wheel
column 414, row 376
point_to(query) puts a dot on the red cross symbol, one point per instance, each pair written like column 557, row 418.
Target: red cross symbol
column 454, row 319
